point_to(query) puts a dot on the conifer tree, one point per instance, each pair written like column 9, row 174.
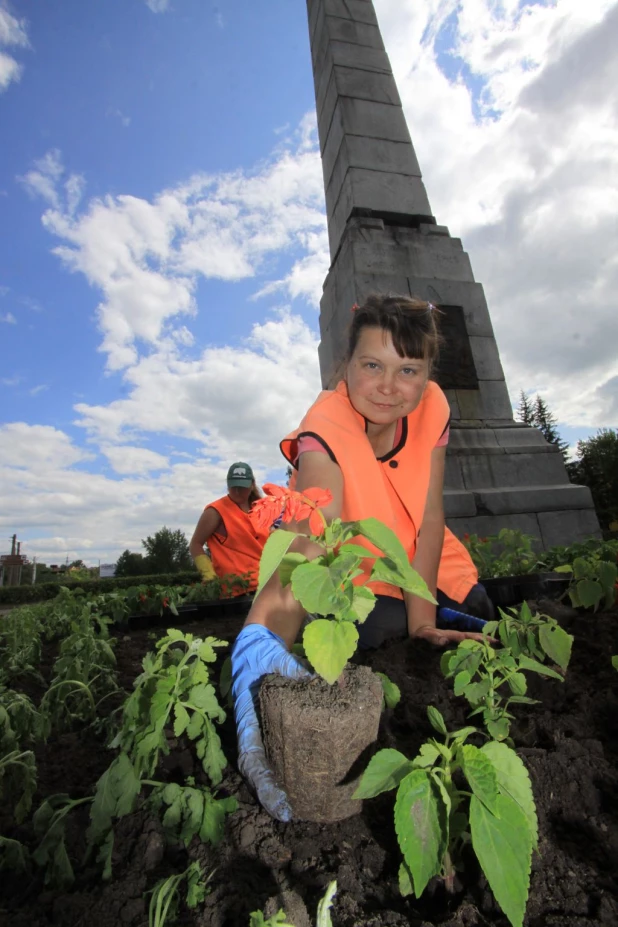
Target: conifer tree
column 546, row 422
column 525, row 412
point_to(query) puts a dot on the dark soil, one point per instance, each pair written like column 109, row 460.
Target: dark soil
column 569, row 743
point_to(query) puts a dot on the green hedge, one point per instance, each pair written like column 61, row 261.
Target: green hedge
column 20, row 595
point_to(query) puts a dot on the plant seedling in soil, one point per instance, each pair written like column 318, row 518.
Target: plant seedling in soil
column 454, row 794
column 163, row 906
column 84, row 673
column 174, row 689
column 325, row 585
column 20, row 643
column 593, row 582
column 479, row 671
column 508, row 553
column 323, row 919
column 535, row 635
column 49, row 827
column 18, row 723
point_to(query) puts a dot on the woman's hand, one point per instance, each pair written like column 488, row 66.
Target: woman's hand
column 441, row 638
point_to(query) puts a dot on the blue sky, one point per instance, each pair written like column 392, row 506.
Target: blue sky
column 164, row 242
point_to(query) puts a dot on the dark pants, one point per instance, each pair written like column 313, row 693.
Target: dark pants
column 389, row 618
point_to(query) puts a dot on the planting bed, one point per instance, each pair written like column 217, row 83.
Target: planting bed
column 569, row 743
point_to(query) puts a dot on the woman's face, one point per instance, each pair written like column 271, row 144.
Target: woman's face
column 382, row 385
column 239, row 494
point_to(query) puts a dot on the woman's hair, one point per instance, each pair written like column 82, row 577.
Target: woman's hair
column 255, row 493
column 411, row 322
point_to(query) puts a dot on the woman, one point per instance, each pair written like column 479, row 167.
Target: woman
column 378, row 443
column 235, row 544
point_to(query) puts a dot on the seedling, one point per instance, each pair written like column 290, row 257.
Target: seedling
column 325, row 585
column 479, row 671
column 257, row 919
column 593, row 582
column 174, row 689
column 535, row 635
column 165, row 895
column 435, row 817
column 508, row 553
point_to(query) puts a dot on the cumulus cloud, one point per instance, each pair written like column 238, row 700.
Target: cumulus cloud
column 8, row 317
column 158, row 6
column 520, row 163
column 146, row 257
column 13, row 33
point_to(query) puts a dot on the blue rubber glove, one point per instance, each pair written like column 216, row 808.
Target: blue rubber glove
column 256, row 653
column 458, row 621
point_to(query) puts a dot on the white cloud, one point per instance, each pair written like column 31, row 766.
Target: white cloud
column 134, row 460
column 8, row 317
column 12, row 33
column 41, row 388
column 158, row 6
column 146, row 257
column 37, row 446
column 522, row 167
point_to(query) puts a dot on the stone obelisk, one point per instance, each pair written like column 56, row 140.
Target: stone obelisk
column 384, row 238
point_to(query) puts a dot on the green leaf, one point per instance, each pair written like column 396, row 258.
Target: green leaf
column 392, row 692
column 419, row 822
column 517, row 684
column 203, row 696
column 213, row 757
column 385, row 771
column 503, row 847
column 436, row 720
column 405, row 577
column 514, row 781
column 535, row 667
column 181, row 719
column 427, row 756
column 589, row 593
column 405, row 880
column 363, row 602
column 382, row 537
column 481, row 775
column 615, row 662
column 213, row 822
column 564, row 568
column 313, row 586
column 13, row 855
column 329, row 645
column 323, row 918
column 288, row 564
column 115, row 796
column 356, row 549
column 462, row 679
column 556, row 643
column 276, row 547
column 498, row 728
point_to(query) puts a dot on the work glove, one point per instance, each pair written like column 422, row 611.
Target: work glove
column 204, row 565
column 458, row 621
column 257, row 652
column 478, row 603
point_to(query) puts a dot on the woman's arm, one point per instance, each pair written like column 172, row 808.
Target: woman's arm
column 210, row 521
column 275, row 607
column 421, row 613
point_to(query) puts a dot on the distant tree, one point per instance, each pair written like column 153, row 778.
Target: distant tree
column 525, row 412
column 546, row 421
column 129, row 564
column 77, row 565
column 596, row 466
column 167, row 551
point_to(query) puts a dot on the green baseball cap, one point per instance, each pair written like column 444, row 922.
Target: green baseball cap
column 240, row 474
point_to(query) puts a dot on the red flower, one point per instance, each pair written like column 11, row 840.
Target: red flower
column 166, row 602
column 466, row 536
column 290, row 505
column 142, row 597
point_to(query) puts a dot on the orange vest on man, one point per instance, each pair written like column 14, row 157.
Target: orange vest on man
column 393, row 488
column 241, row 550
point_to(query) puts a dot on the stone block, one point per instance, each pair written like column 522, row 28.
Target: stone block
column 484, row 525
column 458, row 503
column 400, row 252
column 477, row 438
column 353, row 82
column 486, row 358
column 568, row 527
column 375, row 154
column 375, row 190
column 520, row 436
column 485, row 471
column 518, row 500
column 453, row 404
column 470, row 404
column 346, row 55
column 360, row 11
column 453, row 478
column 338, row 29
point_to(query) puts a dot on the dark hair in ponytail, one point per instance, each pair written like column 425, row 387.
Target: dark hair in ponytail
column 411, row 322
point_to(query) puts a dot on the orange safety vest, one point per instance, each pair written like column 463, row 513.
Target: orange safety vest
column 241, row 550
column 456, row 573
column 393, row 488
